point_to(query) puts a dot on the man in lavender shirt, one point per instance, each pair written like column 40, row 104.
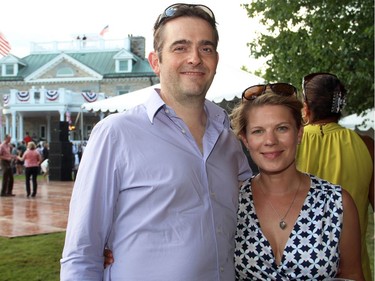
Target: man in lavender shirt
column 158, row 184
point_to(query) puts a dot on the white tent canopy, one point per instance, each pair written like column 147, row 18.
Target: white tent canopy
column 228, row 84
column 361, row 122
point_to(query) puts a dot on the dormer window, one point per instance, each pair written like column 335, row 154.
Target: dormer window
column 124, row 61
column 9, row 69
column 124, row 65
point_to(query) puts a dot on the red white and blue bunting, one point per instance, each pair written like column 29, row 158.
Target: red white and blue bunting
column 89, row 96
column 52, row 95
column 23, row 96
column 6, row 99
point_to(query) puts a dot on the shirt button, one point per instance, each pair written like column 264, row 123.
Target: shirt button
column 167, row 111
column 221, row 269
column 183, row 131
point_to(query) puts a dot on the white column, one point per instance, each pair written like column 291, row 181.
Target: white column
column 62, row 115
column 20, row 126
column 81, row 125
column 14, row 121
column 7, row 129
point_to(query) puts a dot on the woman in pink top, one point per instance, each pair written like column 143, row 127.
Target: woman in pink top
column 32, row 160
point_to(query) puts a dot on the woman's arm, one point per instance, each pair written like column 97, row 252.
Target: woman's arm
column 23, row 156
column 350, row 241
column 370, row 146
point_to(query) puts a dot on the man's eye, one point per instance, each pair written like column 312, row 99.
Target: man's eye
column 208, row 50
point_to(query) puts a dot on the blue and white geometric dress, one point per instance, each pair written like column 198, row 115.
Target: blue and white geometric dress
column 312, row 249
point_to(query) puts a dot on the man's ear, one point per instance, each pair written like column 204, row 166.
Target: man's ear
column 154, row 62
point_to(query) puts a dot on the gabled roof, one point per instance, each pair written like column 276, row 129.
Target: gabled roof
column 92, row 75
column 12, row 59
column 99, row 63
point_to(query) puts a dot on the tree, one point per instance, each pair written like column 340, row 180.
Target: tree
column 305, row 36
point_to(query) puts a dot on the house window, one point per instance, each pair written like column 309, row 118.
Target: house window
column 9, row 70
column 42, row 132
column 65, row 72
column 123, row 65
column 120, row 90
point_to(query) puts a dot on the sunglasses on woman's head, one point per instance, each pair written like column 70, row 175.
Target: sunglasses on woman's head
column 171, row 11
column 282, row 89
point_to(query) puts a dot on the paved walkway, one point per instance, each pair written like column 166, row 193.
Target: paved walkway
column 45, row 213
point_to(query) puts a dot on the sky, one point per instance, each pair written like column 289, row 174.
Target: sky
column 25, row 21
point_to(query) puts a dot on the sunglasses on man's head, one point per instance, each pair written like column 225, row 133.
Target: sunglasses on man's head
column 171, row 11
column 282, row 89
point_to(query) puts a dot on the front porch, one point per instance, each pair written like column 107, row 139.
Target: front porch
column 36, row 110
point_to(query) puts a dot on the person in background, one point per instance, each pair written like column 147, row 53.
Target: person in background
column 158, row 184
column 45, row 151
column 335, row 153
column 6, row 158
column 39, row 148
column 21, row 148
column 45, row 163
column 14, row 158
column 75, row 160
column 32, row 160
column 27, row 138
column 34, row 138
column 291, row 225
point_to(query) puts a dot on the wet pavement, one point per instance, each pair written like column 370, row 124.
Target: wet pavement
column 47, row 212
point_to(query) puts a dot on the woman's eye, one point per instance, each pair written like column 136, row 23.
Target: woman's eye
column 282, row 128
column 255, row 132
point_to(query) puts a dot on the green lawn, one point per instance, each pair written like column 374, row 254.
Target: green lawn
column 31, row 258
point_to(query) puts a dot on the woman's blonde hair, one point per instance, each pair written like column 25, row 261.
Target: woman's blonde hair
column 239, row 114
column 31, row 145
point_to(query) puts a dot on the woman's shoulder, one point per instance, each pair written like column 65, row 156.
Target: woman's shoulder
column 246, row 185
column 323, row 185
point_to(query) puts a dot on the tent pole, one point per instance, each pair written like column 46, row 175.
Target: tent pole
column 81, row 123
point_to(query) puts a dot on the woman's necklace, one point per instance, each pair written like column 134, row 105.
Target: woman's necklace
column 282, row 223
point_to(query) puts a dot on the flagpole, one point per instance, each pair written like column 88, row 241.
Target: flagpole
column 81, row 125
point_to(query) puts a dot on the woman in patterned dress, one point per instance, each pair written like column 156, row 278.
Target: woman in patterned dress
column 291, row 225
